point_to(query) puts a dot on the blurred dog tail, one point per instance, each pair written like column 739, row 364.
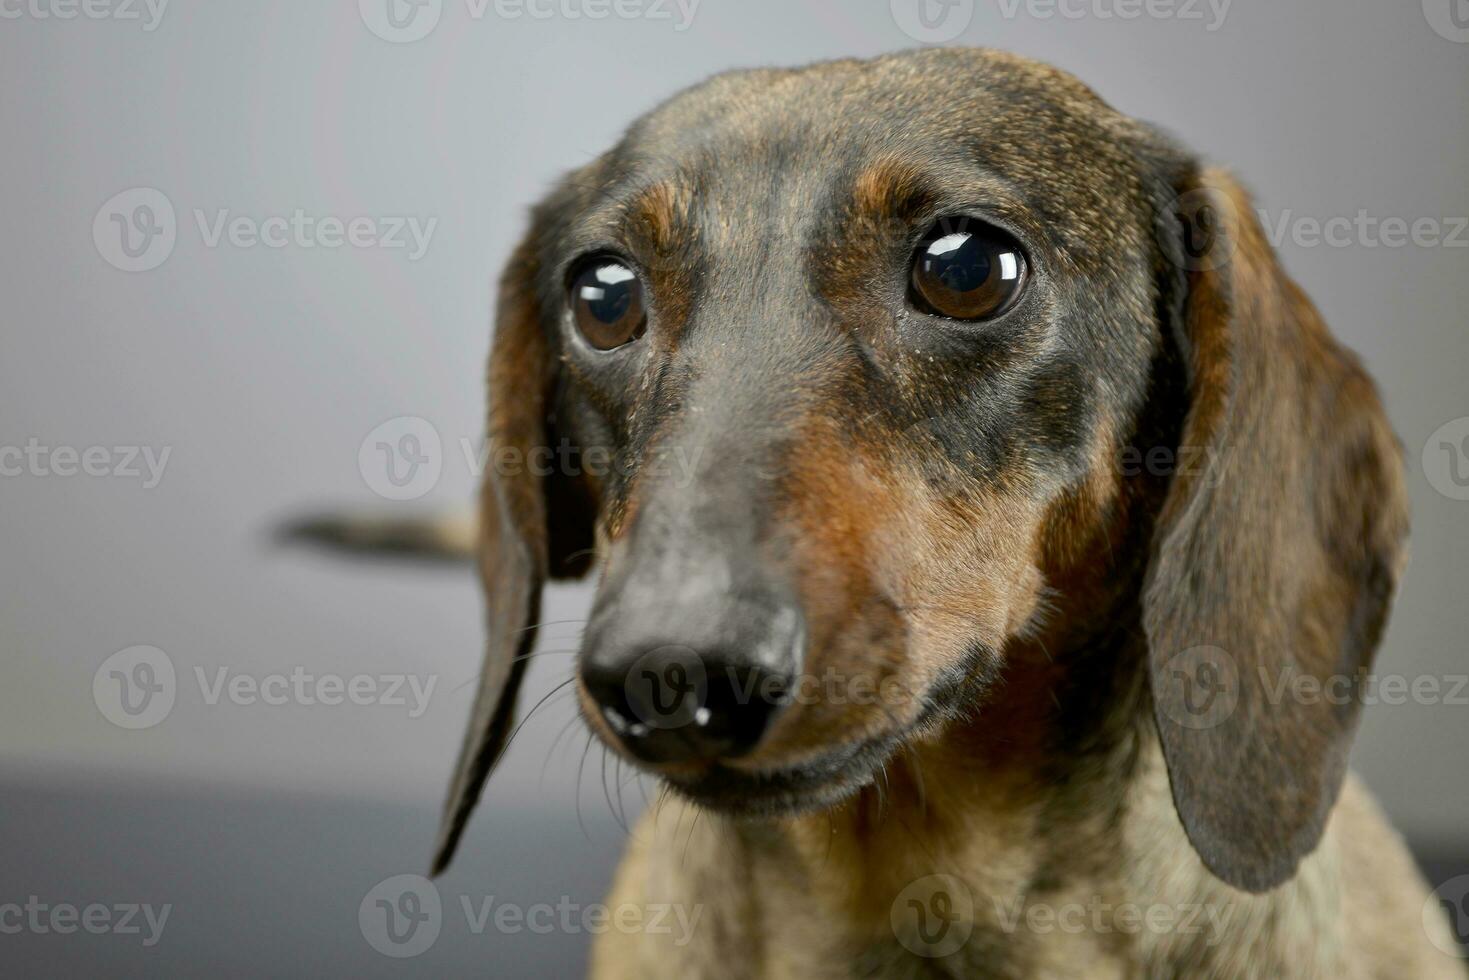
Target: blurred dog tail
column 431, row 538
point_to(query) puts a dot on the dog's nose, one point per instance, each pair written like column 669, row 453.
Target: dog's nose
column 712, row 697
column 674, row 704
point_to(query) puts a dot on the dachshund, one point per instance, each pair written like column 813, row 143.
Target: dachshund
column 992, row 543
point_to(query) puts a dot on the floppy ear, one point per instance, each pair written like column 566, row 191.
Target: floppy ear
column 535, row 521
column 1274, row 574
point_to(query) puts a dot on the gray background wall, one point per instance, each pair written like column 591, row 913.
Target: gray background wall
column 262, row 371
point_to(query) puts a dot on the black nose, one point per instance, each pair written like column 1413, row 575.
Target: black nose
column 674, row 704
column 712, row 697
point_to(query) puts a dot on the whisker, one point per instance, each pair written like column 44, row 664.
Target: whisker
column 550, row 622
column 658, row 806
column 543, row 653
column 917, row 840
column 917, row 768
column 511, row 740
column 882, row 794
column 693, row 825
column 524, row 656
column 606, row 793
column 678, row 823
column 579, row 767
column 550, row 753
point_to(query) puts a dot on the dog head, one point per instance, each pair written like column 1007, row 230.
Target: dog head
column 860, row 383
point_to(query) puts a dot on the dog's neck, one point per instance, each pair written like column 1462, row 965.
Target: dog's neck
column 1034, row 781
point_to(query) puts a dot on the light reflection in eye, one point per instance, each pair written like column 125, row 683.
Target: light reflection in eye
column 949, row 243
column 1009, row 266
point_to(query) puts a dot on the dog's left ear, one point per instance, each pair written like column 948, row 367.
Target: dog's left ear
column 1275, row 561
column 536, row 522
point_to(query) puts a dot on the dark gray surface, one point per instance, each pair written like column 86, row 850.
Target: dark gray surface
column 270, row 886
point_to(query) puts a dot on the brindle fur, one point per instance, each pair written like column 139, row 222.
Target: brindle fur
column 947, row 502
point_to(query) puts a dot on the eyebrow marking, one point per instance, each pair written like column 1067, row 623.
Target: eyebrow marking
column 662, row 214
column 657, row 223
column 889, row 187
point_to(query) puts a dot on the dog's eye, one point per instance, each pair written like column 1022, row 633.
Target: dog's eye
column 967, row 270
column 607, row 303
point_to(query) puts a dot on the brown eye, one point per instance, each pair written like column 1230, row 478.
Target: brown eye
column 607, row 303
column 967, row 270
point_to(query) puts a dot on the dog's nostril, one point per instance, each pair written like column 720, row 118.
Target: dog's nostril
column 675, row 704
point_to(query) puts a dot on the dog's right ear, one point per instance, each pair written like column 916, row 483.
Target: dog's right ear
column 535, row 521
column 1277, row 568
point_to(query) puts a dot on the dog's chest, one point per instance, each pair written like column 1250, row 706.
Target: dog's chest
column 890, row 904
